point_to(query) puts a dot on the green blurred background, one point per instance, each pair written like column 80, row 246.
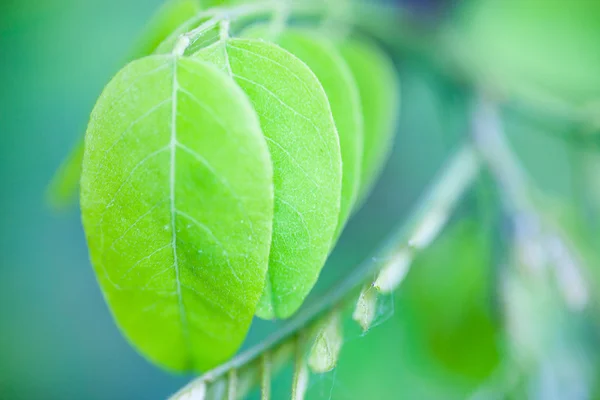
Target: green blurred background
column 440, row 337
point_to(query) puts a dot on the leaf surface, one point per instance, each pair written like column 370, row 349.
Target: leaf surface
column 325, row 60
column 296, row 120
column 379, row 90
column 177, row 205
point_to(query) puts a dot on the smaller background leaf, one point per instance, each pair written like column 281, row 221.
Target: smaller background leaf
column 296, row 120
column 321, row 55
column 378, row 86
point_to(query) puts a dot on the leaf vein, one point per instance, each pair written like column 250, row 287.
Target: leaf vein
column 144, row 215
column 302, row 220
column 126, row 180
column 208, row 299
column 131, row 126
column 295, row 75
column 294, row 111
column 293, row 160
column 138, row 262
column 172, row 176
column 215, row 239
column 132, row 84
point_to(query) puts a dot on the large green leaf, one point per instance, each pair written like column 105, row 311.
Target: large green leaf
column 296, row 120
column 325, row 60
column 177, row 204
column 171, row 15
column 379, row 90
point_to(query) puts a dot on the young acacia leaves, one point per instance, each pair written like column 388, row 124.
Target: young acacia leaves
column 379, row 90
column 177, row 204
column 325, row 60
column 297, row 123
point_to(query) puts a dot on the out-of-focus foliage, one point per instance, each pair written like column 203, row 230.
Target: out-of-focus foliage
column 540, row 50
column 379, row 90
column 449, row 295
column 442, row 336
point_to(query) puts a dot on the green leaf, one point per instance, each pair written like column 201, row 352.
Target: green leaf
column 64, row 184
column 172, row 14
column 215, row 3
column 296, row 120
column 177, row 200
column 325, row 60
column 447, row 300
column 379, row 90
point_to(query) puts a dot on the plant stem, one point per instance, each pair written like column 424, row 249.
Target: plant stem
column 439, row 201
column 539, row 249
column 281, row 13
column 541, row 241
column 232, row 385
column 300, row 378
column 265, row 376
column 490, row 141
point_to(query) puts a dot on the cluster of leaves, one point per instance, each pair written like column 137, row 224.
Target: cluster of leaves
column 218, row 170
column 207, row 200
column 314, row 338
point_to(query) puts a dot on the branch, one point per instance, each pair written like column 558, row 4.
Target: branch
column 539, row 249
column 425, row 224
column 537, row 237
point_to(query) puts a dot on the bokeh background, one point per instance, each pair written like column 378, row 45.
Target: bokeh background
column 442, row 336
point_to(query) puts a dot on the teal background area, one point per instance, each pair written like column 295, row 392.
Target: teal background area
column 57, row 338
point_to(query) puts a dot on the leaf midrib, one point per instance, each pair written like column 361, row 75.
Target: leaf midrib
column 172, row 175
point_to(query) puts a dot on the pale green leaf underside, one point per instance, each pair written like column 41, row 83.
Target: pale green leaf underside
column 378, row 86
column 296, row 120
column 325, row 60
column 177, row 205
